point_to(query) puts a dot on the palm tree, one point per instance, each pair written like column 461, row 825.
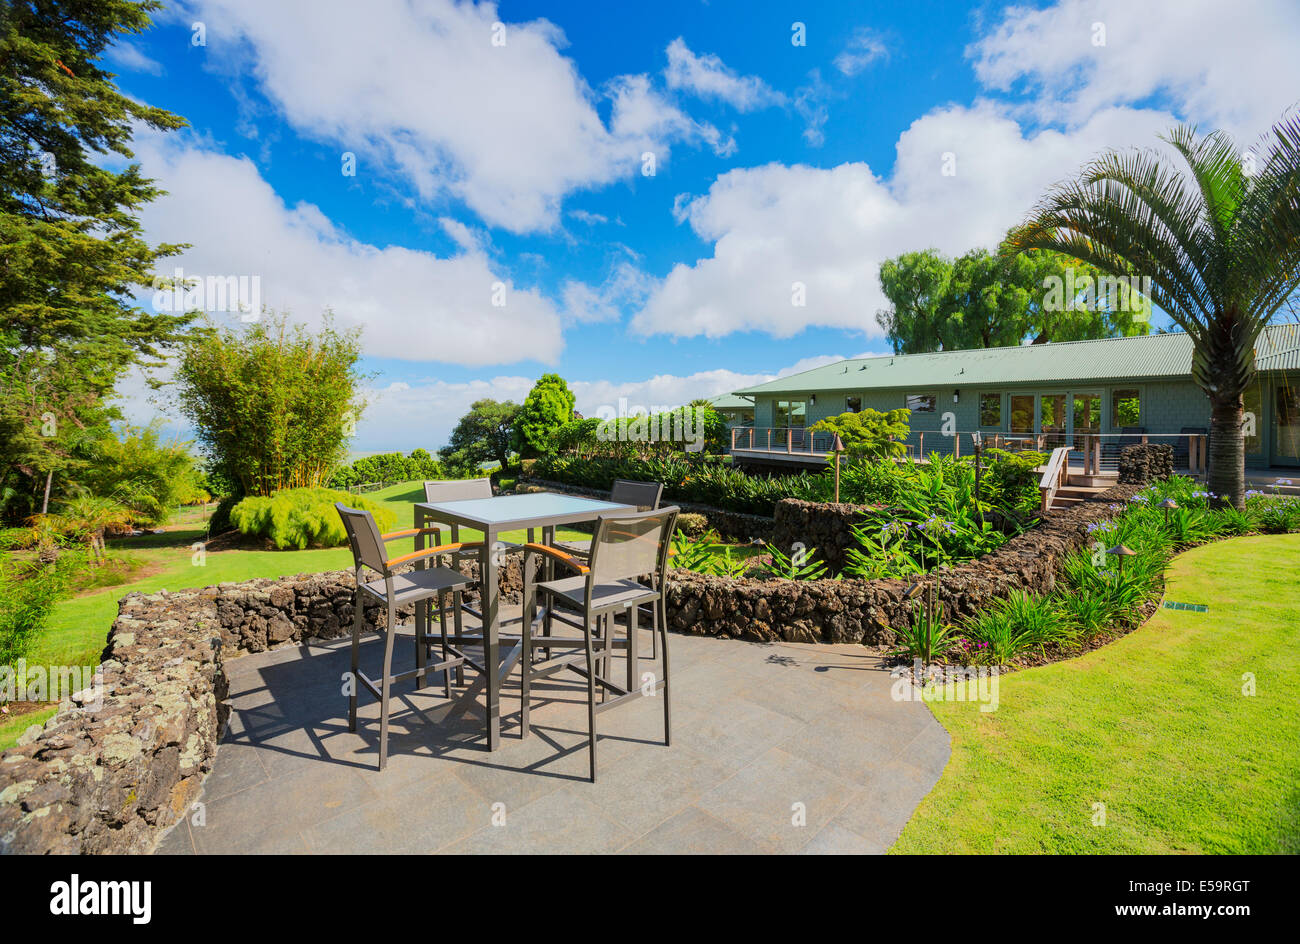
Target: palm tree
column 1219, row 239
column 87, row 518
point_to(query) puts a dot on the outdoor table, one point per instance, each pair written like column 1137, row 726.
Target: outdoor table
column 494, row 516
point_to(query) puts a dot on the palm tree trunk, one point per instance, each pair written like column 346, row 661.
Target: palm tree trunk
column 1227, row 473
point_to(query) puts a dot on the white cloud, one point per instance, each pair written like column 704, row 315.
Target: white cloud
column 1237, row 72
column 509, row 129
column 863, row 48
column 626, row 287
column 829, row 229
column 411, row 304
column 124, row 55
column 709, row 77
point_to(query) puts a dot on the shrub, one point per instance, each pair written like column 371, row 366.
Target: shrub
column 1019, row 623
column 304, row 517
column 927, row 637
column 27, row 595
column 273, row 404
column 387, row 468
column 869, row 434
column 692, row 524
column 794, row 566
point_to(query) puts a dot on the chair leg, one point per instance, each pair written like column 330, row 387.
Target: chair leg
column 663, row 634
column 442, row 627
column 591, row 696
column 633, row 627
column 458, row 621
column 356, row 662
column 387, row 686
column 422, row 617
column 526, row 672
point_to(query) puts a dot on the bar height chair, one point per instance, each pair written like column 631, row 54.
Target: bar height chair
column 395, row 590
column 626, row 549
column 643, row 495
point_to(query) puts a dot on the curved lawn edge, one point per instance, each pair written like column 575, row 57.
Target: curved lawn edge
column 1150, row 737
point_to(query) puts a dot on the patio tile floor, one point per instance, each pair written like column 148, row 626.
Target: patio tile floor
column 776, row 748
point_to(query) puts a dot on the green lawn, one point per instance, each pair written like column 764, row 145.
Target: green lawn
column 78, row 630
column 1155, row 726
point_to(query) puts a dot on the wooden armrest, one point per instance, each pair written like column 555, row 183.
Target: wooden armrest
column 556, row 554
column 409, row 532
column 432, row 551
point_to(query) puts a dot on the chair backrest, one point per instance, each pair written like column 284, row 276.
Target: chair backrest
column 457, row 490
column 632, row 545
column 364, row 538
column 640, row 494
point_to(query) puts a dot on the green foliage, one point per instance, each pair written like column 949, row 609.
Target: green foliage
column 869, row 434
column 927, row 637
column 548, row 406
column 28, row 593
column 73, row 247
column 388, row 468
column 304, row 517
column 692, row 428
column 273, row 406
column 484, row 434
column 1019, row 623
column 983, row 299
column 1009, row 480
column 792, row 566
column 692, row 524
column 928, row 517
column 687, row 477
column 150, row 477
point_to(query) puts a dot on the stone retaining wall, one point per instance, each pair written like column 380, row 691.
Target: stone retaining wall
column 1145, row 462
column 869, row 611
column 113, row 774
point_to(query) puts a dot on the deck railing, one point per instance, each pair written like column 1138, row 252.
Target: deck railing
column 1096, row 453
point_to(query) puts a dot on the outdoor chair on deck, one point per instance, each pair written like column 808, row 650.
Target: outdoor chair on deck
column 626, row 550
column 642, row 495
column 395, row 590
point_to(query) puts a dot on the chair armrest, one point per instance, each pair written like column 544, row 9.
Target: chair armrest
column 555, row 554
column 411, row 532
column 432, row 552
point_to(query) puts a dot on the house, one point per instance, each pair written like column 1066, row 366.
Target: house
column 737, row 411
column 1100, row 394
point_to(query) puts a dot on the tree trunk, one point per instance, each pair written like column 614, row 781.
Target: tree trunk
column 1227, row 473
column 45, row 503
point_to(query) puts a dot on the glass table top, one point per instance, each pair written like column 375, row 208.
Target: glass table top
column 509, row 509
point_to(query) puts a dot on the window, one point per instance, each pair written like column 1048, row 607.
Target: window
column 991, row 409
column 921, row 402
column 790, row 413
column 1126, row 409
column 1022, row 414
column 852, row 404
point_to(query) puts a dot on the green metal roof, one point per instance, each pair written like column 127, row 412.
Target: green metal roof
column 729, row 401
column 1150, row 357
column 1278, row 348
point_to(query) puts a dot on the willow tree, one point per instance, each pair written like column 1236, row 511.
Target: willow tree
column 1217, row 232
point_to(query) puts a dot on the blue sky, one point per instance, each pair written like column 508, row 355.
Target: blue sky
column 500, row 157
